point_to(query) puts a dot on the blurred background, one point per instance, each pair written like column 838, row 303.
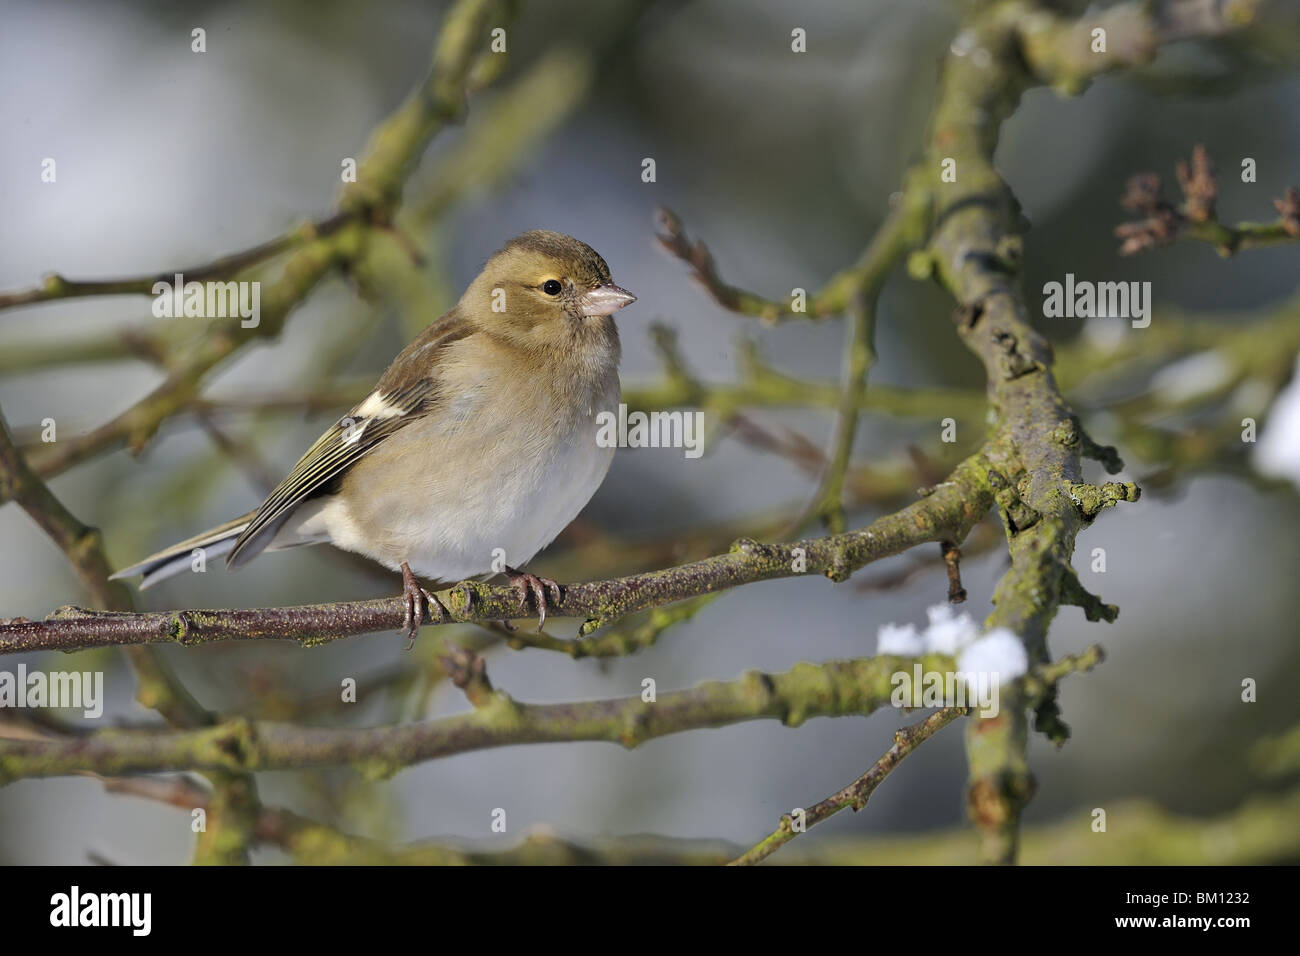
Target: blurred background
column 785, row 163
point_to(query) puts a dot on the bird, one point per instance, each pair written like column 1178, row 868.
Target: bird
column 475, row 449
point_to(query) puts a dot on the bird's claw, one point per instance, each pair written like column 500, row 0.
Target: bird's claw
column 541, row 590
column 419, row 601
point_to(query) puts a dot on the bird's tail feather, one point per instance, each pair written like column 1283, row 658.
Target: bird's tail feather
column 214, row 542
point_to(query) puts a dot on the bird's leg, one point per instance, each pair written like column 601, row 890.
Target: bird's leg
column 418, row 602
column 525, row 584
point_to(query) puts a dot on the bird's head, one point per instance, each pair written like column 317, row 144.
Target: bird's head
column 546, row 289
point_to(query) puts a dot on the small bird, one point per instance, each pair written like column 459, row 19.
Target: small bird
column 479, row 440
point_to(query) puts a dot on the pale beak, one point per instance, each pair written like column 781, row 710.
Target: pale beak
column 605, row 300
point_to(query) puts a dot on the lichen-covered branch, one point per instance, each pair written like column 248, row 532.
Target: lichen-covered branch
column 974, row 253
column 828, row 689
column 946, row 514
column 1138, row 833
column 234, row 794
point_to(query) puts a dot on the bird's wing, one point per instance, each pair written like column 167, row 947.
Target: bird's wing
column 408, row 390
column 346, row 442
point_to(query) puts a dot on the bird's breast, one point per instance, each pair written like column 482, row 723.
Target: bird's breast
column 488, row 478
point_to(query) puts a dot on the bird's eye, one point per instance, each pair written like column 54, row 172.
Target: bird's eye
column 552, row 287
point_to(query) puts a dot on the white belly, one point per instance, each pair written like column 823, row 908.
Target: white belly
column 508, row 518
column 456, row 503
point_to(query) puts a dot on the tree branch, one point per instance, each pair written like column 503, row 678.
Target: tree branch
column 56, row 286
column 902, row 230
column 831, row 688
column 945, row 515
column 975, row 253
column 857, row 793
column 234, row 794
column 835, row 296
column 1196, row 217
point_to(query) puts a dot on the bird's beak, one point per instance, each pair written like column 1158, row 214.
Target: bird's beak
column 605, row 300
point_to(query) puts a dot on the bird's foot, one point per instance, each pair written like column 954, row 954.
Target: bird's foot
column 526, row 584
column 419, row 601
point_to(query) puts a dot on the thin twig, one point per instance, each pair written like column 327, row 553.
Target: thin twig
column 857, row 793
